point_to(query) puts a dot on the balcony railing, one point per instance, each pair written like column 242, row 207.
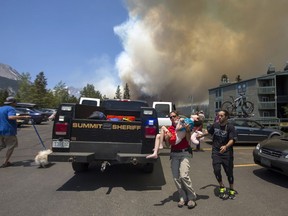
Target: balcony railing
column 266, row 105
column 266, row 90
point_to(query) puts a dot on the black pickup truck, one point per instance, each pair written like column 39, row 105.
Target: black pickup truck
column 116, row 132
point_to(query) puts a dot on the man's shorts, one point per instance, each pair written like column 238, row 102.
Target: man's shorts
column 10, row 142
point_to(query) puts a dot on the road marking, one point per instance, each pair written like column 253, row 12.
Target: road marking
column 235, row 148
column 245, row 165
column 240, row 148
column 25, row 129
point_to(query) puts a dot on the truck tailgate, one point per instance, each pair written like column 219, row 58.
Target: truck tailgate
column 98, row 131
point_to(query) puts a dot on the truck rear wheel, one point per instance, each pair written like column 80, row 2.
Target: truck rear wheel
column 148, row 167
column 80, row 167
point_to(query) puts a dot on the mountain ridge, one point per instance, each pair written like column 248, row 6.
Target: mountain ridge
column 9, row 80
column 8, row 72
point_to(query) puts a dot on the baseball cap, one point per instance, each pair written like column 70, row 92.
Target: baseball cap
column 10, row 100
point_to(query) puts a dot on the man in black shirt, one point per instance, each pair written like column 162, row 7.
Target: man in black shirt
column 224, row 136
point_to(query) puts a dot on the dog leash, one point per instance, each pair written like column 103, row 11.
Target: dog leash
column 38, row 134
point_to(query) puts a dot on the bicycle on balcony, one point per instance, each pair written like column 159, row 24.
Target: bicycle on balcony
column 247, row 107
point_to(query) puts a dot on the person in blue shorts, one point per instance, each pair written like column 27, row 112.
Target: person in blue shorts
column 8, row 128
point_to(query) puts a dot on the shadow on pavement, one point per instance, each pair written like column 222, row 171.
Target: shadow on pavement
column 126, row 176
column 271, row 176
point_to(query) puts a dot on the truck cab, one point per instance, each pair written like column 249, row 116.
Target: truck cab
column 163, row 109
column 89, row 101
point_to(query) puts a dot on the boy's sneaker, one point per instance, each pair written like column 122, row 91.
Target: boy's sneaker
column 222, row 193
column 231, row 194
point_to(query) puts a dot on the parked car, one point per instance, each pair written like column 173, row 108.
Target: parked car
column 48, row 112
column 21, row 121
column 35, row 108
column 251, row 131
column 35, row 116
column 273, row 154
column 44, row 115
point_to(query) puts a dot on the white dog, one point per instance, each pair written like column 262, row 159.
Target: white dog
column 41, row 158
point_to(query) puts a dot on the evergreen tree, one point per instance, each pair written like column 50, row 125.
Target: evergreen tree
column 126, row 94
column 89, row 91
column 72, row 99
column 118, row 94
column 60, row 94
column 24, row 93
column 3, row 95
column 39, row 91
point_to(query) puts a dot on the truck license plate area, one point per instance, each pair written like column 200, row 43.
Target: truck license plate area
column 60, row 143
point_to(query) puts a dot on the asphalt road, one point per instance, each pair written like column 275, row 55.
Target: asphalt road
column 123, row 190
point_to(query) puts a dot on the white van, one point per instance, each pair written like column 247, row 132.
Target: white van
column 163, row 109
column 90, row 101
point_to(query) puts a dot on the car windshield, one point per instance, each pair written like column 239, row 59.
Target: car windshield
column 25, row 110
column 36, row 110
column 253, row 124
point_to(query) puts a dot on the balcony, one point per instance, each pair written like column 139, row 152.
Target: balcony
column 266, row 105
column 266, row 90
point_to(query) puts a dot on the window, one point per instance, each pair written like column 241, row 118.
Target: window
column 162, row 110
column 218, row 93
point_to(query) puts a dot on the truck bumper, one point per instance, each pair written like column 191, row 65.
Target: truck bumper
column 134, row 158
column 82, row 157
column 87, row 157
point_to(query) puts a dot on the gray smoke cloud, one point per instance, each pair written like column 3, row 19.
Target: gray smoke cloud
column 177, row 49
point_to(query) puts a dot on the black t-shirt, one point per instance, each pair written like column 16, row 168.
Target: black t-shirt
column 221, row 136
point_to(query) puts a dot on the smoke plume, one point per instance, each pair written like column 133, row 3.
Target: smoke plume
column 175, row 50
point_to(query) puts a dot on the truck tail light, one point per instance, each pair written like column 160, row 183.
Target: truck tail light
column 61, row 128
column 150, row 131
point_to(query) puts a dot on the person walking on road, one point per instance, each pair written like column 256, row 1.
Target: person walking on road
column 224, row 136
column 180, row 156
column 8, row 129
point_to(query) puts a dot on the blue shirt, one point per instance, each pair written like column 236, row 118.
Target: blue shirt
column 7, row 127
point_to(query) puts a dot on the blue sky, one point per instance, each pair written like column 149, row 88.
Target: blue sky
column 156, row 46
column 69, row 40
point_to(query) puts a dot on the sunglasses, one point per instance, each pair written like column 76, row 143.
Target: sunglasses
column 174, row 116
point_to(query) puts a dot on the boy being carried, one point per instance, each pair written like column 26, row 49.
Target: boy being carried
column 180, row 134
